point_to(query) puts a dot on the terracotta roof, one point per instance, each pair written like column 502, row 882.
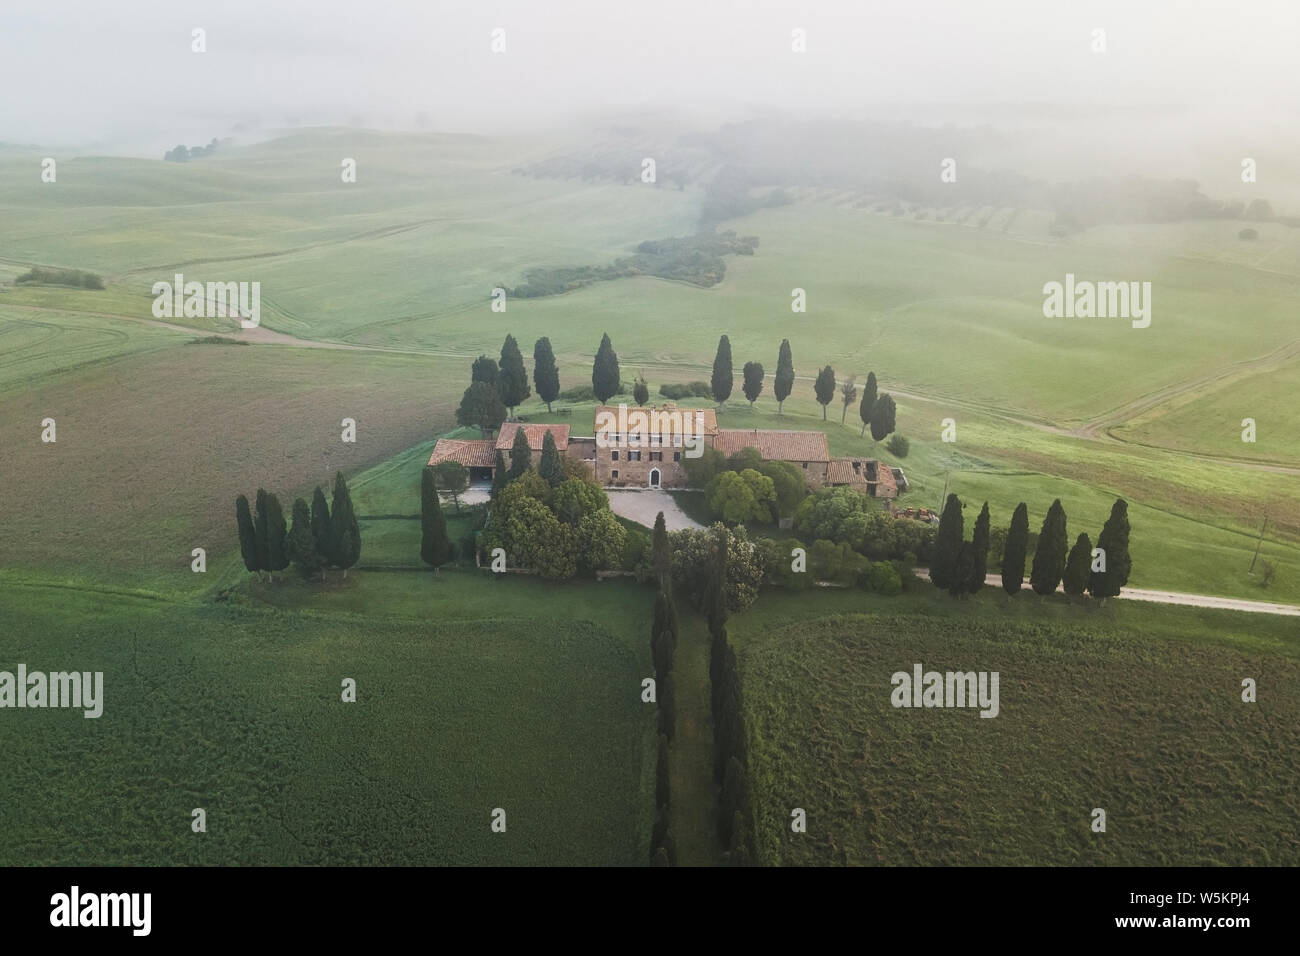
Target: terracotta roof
column 477, row 453
column 775, row 445
column 840, row 472
column 536, row 434
column 708, row 415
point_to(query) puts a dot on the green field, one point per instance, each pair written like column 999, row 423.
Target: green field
column 477, row 693
column 1136, row 710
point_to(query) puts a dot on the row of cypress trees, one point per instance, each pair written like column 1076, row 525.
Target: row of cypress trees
column 663, row 641
column 321, row 536
column 734, row 821
column 960, row 566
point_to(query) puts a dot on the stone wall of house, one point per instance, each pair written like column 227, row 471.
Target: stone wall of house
column 634, row 473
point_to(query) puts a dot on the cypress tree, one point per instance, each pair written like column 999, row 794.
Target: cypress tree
column 641, row 391
column 546, row 374
column 963, row 570
column 740, row 852
column 848, row 393
column 512, row 377
column 980, row 551
column 262, row 535
column 521, row 455
column 661, row 652
column 824, row 388
column 248, row 534
column 1049, row 557
column 752, row 382
column 659, row 857
column 784, row 381
column 717, row 596
column 869, row 393
column 604, row 371
column 731, row 801
column 484, row 370
column 345, row 533
column 550, row 467
column 277, row 536
column 481, row 407
column 947, row 543
column 1013, row 555
column 661, row 554
column 320, row 527
column 1078, row 566
column 1113, row 542
column 435, row 546
column 302, row 540
column 667, row 706
column 882, row 418
column 499, row 477
column 661, row 774
column 723, row 379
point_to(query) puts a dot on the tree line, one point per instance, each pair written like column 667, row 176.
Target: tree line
column 959, row 566
column 321, row 536
column 664, row 632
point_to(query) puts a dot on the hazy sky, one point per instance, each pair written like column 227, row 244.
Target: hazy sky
column 91, row 71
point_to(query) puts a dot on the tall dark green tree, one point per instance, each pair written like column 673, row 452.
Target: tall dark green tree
column 723, row 378
column 667, row 706
column 320, row 525
column 481, row 408
column 435, row 546
column 248, row 535
column 521, row 455
column 550, row 467
column 484, row 370
column 262, row 529
column 783, row 383
column 1113, row 543
column 848, row 395
column 963, row 569
column 1050, row 554
column 345, row 532
column 277, row 536
column 546, row 374
column 869, row 393
column 1015, row 551
column 661, row 553
column 512, row 377
column 752, row 384
column 1078, row 566
column 302, row 541
column 882, row 418
column 661, row 774
column 979, row 551
column 499, row 475
column 824, row 388
column 604, row 371
column 732, row 799
column 947, row 543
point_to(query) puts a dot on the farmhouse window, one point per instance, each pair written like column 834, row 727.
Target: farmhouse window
column 634, row 456
column 677, row 456
column 614, row 473
column 614, row 456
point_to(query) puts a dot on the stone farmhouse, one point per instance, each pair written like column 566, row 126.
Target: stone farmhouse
column 634, row 460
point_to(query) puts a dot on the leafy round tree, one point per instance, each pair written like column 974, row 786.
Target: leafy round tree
column 453, row 478
column 882, row 418
column 1078, row 566
column 481, row 407
column 722, row 381
column 979, row 551
column 1015, row 551
column 1113, row 543
column 604, row 371
column 546, row 374
column 898, row 446
column 869, row 393
column 640, row 391
column 784, row 380
column 248, row 534
column 752, row 383
column 435, row 546
column 947, row 543
column 1049, row 557
column 512, row 378
column 550, row 466
column 484, row 370
column 824, row 388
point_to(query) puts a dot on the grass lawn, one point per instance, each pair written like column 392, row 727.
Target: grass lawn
column 1134, row 709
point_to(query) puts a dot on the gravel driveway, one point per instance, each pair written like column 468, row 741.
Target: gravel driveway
column 643, row 506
